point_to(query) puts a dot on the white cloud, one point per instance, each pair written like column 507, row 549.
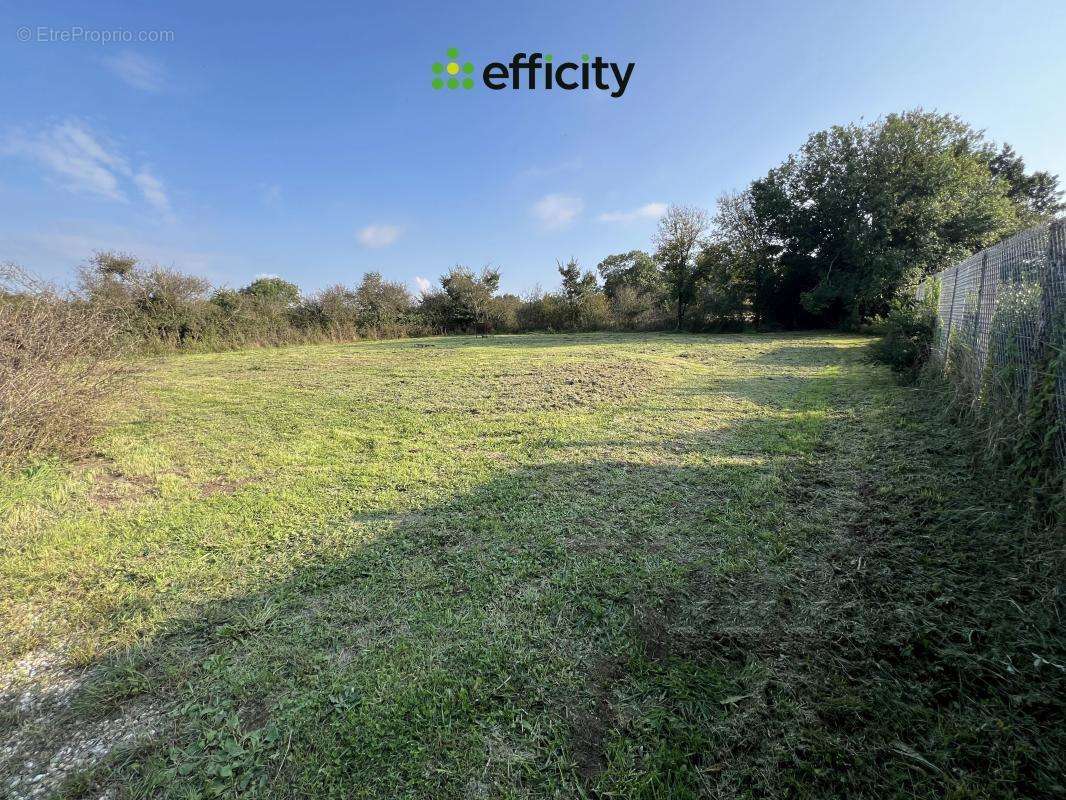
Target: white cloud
column 138, row 71
column 423, row 284
column 556, row 211
column 154, row 192
column 82, row 162
column 75, row 156
column 379, row 235
column 646, row 211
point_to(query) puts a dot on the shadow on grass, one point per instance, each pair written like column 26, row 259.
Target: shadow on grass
column 817, row 622
column 473, row 640
column 617, row 629
column 793, row 356
column 470, row 641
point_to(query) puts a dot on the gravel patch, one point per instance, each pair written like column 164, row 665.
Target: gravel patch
column 42, row 742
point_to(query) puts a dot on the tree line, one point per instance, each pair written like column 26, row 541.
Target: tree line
column 831, row 237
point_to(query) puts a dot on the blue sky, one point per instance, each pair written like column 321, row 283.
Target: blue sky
column 305, row 140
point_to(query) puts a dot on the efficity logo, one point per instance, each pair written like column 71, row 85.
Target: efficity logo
column 535, row 71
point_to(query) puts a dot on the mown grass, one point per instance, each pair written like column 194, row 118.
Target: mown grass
column 538, row 566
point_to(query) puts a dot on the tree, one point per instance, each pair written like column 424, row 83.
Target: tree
column 1037, row 195
column 741, row 268
column 635, row 269
column 862, row 212
column 379, row 302
column 723, row 298
column 576, row 285
column 464, row 300
column 634, row 284
column 503, row 312
column 272, row 291
column 677, row 243
column 581, row 294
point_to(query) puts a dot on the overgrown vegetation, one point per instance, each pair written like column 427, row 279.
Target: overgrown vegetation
column 1005, row 400
column 639, row 566
column 160, row 309
column 907, row 334
column 58, row 365
column 1012, row 404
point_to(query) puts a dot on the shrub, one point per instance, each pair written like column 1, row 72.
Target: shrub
column 382, row 306
column 273, row 292
column 464, row 301
column 57, row 364
column 540, row 311
column 503, row 313
column 908, row 332
column 632, row 309
column 159, row 307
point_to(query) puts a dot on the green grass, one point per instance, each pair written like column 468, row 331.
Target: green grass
column 531, row 566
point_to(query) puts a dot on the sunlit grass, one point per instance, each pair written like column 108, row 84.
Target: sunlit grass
column 405, row 568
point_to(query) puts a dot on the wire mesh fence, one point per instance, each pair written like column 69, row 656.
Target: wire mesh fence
column 1001, row 332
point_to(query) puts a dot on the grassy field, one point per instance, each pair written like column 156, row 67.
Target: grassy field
column 531, row 566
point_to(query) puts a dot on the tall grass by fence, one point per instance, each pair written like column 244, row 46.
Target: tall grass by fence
column 1001, row 341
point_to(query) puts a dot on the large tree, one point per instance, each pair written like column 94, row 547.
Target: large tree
column 464, row 300
column 635, row 269
column 861, row 212
column 678, row 240
column 1036, row 194
column 741, row 264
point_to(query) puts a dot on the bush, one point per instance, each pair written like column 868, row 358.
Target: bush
column 57, row 364
column 541, row 311
column 162, row 308
column 464, row 303
column 907, row 339
column 632, row 309
column 503, row 312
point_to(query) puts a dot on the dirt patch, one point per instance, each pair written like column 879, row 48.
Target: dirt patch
column 116, row 489
column 591, row 724
column 112, row 487
column 255, row 713
column 225, row 486
column 651, row 629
